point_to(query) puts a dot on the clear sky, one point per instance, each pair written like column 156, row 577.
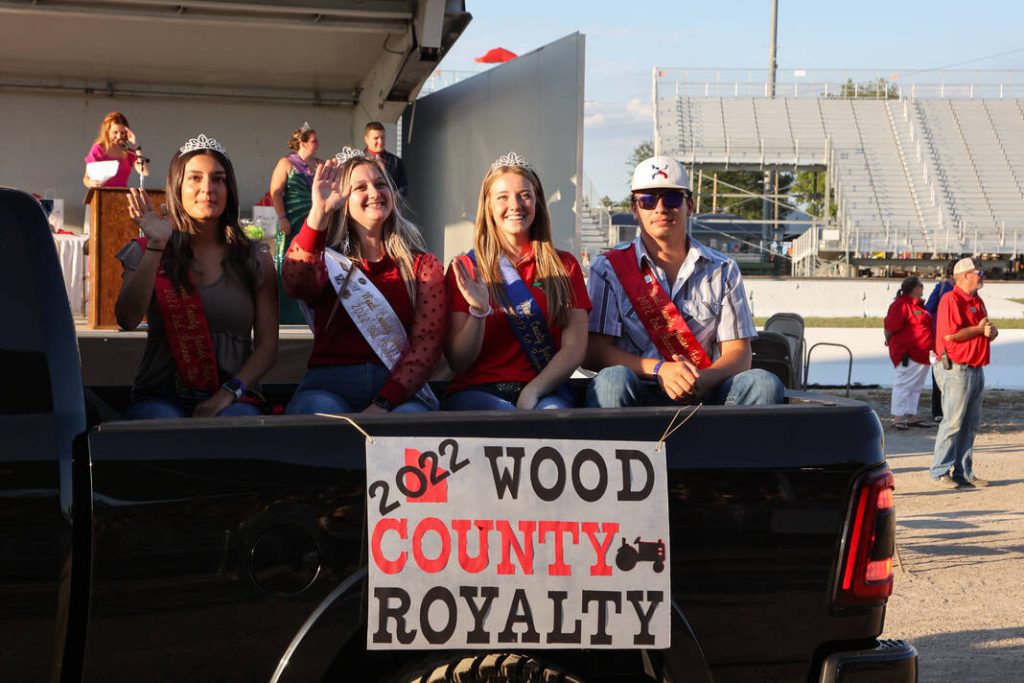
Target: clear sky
column 626, row 40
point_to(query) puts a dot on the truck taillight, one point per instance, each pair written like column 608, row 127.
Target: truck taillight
column 866, row 575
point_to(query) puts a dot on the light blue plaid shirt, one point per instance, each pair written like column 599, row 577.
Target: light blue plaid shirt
column 708, row 292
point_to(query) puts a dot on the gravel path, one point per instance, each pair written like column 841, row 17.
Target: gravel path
column 959, row 595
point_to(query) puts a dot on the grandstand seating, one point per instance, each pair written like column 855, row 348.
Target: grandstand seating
column 923, row 176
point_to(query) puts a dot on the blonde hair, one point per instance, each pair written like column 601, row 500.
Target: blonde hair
column 103, row 138
column 490, row 244
column 402, row 240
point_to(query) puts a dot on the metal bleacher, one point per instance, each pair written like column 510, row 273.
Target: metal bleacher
column 918, row 177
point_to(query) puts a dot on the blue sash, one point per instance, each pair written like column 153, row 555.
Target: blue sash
column 526, row 321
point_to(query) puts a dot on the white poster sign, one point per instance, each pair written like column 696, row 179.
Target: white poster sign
column 493, row 542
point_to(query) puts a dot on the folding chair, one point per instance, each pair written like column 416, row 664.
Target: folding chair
column 791, row 325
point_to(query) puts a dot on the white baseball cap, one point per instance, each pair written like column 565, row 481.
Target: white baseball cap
column 659, row 173
column 964, row 265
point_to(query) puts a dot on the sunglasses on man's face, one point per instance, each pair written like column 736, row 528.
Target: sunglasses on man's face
column 671, row 199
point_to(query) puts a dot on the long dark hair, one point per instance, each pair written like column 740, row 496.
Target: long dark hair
column 177, row 258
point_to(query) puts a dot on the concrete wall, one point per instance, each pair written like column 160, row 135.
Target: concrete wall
column 868, row 298
column 830, row 364
column 533, row 105
column 45, row 138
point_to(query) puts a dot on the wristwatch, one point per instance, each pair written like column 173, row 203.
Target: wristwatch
column 382, row 402
column 235, row 386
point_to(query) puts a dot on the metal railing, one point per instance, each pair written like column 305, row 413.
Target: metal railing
column 839, row 83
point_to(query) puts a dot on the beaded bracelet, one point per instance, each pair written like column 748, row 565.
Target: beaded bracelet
column 481, row 315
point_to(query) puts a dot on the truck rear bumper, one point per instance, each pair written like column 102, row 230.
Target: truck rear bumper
column 891, row 661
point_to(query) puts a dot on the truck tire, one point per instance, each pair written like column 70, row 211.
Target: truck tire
column 493, row 667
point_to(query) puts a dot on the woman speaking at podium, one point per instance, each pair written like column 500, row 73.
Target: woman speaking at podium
column 115, row 142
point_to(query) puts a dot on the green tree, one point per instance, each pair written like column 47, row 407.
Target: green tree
column 741, row 193
column 808, row 193
column 644, row 150
column 872, row 90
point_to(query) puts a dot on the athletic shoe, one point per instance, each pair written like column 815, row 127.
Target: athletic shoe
column 979, row 483
column 946, row 482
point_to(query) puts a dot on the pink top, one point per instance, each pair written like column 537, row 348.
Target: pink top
column 124, row 165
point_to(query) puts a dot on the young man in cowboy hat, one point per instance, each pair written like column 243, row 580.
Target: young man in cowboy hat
column 670, row 322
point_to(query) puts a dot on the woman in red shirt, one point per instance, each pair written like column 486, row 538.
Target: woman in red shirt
column 518, row 321
column 372, row 293
column 910, row 338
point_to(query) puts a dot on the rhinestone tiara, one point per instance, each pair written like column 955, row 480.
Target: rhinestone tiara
column 202, row 142
column 510, row 160
column 346, row 154
column 305, row 127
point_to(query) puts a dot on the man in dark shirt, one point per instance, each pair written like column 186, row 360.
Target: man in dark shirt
column 963, row 334
column 942, row 287
column 375, row 139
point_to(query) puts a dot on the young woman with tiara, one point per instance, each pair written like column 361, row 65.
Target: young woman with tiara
column 518, row 321
column 290, row 190
column 208, row 293
column 373, row 295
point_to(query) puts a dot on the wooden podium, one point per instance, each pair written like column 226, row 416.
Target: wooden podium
column 110, row 228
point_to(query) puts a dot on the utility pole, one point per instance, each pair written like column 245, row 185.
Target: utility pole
column 771, row 48
column 770, row 188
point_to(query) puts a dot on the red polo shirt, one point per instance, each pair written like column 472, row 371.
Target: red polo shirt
column 958, row 310
column 911, row 327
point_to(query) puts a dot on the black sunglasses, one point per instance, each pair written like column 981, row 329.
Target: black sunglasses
column 671, row 199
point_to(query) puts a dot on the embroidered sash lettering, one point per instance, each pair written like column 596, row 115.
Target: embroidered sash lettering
column 527, row 322
column 187, row 331
column 658, row 314
column 371, row 313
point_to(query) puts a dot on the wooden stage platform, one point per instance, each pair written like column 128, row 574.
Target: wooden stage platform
column 111, row 357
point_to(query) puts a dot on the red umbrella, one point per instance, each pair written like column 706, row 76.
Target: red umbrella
column 498, row 54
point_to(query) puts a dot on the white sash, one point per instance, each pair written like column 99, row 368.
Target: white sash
column 372, row 314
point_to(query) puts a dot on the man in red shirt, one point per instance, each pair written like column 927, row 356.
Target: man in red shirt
column 963, row 334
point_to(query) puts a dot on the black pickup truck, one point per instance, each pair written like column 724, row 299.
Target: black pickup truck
column 240, row 549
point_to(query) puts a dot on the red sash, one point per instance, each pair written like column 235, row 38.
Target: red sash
column 188, row 334
column 659, row 316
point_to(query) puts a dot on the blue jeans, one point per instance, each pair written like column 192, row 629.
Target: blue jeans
column 476, row 399
column 161, row 409
column 335, row 389
column 619, row 387
column 961, row 388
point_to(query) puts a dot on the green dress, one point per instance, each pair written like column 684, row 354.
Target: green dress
column 297, row 203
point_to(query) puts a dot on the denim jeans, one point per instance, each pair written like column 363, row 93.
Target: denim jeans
column 335, row 389
column 476, row 399
column 961, row 388
column 161, row 409
column 620, row 387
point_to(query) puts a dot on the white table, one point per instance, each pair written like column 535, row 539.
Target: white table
column 71, row 252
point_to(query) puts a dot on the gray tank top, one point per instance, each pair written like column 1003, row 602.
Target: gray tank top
column 230, row 312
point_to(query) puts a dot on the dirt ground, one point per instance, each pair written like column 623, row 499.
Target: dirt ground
column 959, row 593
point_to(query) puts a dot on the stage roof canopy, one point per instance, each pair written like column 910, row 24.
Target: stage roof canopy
column 374, row 53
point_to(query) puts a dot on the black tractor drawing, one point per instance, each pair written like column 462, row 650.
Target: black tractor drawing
column 645, row 551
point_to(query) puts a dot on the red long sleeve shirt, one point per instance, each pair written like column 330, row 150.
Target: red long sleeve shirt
column 337, row 340
column 911, row 327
